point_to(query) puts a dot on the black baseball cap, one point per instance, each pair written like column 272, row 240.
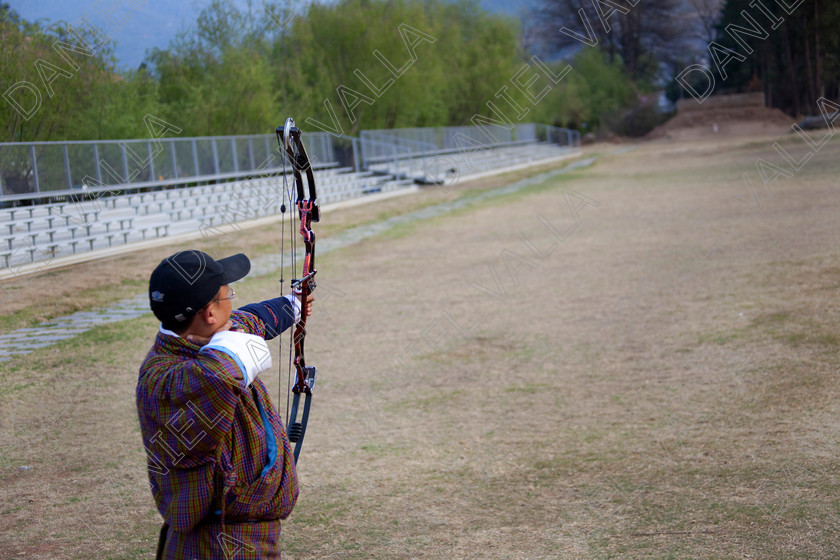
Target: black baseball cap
column 188, row 280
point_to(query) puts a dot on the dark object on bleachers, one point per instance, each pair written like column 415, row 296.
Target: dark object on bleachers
column 15, row 183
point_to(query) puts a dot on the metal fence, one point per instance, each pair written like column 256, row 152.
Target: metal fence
column 399, row 144
column 37, row 170
column 44, row 171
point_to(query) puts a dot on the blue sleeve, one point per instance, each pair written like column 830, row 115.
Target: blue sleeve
column 278, row 314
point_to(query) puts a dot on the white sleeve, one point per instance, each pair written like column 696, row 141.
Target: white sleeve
column 250, row 352
column 295, row 305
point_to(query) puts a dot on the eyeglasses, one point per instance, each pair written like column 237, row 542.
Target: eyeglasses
column 230, row 297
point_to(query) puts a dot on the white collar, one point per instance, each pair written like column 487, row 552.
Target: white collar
column 167, row 331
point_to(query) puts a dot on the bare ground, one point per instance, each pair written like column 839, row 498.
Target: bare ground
column 636, row 360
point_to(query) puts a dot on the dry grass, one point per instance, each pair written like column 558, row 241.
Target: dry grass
column 660, row 383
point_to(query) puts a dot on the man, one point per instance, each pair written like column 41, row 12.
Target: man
column 221, row 469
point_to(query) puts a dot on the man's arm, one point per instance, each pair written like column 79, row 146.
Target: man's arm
column 277, row 314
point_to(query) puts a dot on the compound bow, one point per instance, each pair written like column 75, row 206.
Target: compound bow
column 288, row 136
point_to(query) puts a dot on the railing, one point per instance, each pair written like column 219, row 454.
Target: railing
column 555, row 135
column 401, row 145
column 49, row 170
column 43, row 172
column 62, row 199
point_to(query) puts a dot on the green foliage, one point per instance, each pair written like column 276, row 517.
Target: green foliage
column 483, row 54
column 65, row 85
column 119, row 105
column 239, row 71
column 231, row 94
column 463, row 57
column 593, row 91
column 216, row 78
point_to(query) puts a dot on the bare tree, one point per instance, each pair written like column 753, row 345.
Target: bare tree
column 707, row 15
column 642, row 35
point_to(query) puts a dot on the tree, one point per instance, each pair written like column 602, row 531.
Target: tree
column 594, row 94
column 446, row 61
column 794, row 67
column 215, row 79
column 641, row 36
column 707, row 14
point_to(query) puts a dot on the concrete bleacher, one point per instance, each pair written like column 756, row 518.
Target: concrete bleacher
column 49, row 231
column 98, row 221
column 447, row 166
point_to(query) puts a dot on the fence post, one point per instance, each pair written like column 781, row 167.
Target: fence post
column 34, row 167
column 151, row 161
column 67, row 168
column 124, row 162
column 356, row 166
column 174, row 159
column 96, row 163
column 215, row 156
column 195, row 157
column 235, row 156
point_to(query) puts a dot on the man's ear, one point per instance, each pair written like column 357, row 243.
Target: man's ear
column 208, row 315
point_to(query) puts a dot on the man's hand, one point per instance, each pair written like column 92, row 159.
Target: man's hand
column 202, row 340
column 309, row 299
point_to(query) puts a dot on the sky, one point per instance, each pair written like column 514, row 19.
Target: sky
column 133, row 29
column 139, row 25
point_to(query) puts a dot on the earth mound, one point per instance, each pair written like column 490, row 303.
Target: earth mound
column 731, row 115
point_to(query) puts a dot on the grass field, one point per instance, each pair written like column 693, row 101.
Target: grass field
column 633, row 360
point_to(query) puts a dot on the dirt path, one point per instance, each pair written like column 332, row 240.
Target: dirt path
column 635, row 360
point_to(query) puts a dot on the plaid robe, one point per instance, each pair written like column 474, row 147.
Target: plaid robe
column 208, row 454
